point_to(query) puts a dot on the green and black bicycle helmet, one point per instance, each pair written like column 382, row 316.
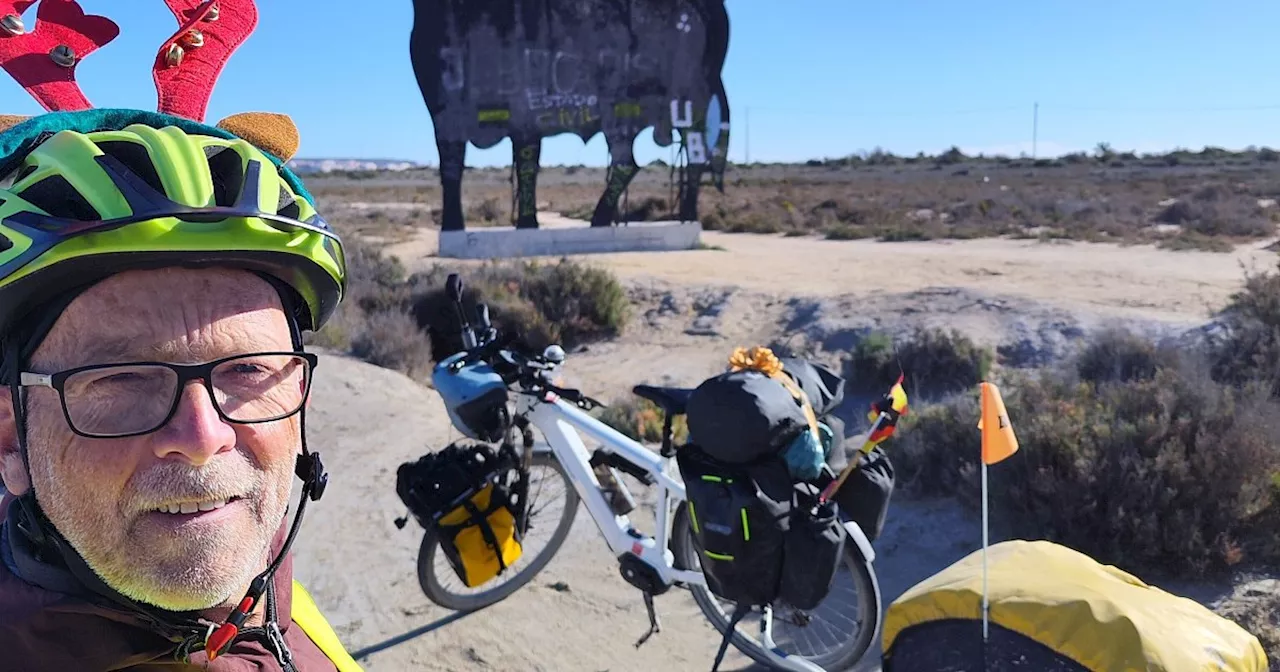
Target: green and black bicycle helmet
column 87, row 194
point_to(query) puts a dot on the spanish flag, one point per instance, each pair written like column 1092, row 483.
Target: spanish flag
column 894, row 406
column 998, row 441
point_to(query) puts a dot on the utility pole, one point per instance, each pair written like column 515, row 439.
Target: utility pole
column 1035, row 127
column 748, row 161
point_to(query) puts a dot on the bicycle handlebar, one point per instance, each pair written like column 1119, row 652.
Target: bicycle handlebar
column 508, row 354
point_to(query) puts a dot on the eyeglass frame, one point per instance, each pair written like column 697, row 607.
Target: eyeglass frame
column 185, row 372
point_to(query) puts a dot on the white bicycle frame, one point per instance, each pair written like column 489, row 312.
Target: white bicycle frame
column 560, row 423
column 558, row 420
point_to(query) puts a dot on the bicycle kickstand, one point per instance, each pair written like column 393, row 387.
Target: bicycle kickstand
column 654, row 625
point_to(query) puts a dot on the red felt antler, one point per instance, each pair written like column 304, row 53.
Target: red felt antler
column 190, row 62
column 44, row 59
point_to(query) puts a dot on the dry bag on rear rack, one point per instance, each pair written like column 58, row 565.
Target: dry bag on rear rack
column 474, row 496
column 743, row 416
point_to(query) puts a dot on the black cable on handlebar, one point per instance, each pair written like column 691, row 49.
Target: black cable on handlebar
column 525, row 369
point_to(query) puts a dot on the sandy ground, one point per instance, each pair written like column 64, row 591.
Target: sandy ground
column 579, row 614
column 1102, row 279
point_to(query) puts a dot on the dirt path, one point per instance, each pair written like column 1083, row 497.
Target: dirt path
column 1104, row 279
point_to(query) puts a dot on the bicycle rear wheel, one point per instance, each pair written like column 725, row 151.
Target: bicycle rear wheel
column 552, row 505
column 828, row 636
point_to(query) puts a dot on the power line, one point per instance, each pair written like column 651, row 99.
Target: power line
column 835, row 113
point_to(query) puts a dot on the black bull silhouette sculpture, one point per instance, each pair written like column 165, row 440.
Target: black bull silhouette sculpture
column 529, row 69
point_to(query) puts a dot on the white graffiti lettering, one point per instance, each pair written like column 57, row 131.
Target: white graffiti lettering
column 547, row 101
column 536, row 69
column 685, row 120
column 697, row 148
column 569, row 82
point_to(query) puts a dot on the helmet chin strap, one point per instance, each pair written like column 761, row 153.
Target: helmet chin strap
column 314, row 479
column 310, row 469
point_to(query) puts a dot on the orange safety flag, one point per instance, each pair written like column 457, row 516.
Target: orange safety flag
column 998, row 441
column 893, row 405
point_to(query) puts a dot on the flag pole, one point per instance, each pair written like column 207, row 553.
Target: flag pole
column 985, row 605
column 998, row 443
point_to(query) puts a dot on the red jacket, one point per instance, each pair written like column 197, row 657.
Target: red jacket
column 49, row 622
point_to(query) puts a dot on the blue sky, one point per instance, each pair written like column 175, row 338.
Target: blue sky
column 821, row 78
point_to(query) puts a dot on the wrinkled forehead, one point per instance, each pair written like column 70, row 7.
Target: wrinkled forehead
column 170, row 314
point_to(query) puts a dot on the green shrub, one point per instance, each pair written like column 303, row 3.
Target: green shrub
column 372, row 322
column 935, row 362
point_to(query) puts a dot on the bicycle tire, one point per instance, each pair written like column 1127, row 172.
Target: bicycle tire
column 682, row 547
column 437, row 593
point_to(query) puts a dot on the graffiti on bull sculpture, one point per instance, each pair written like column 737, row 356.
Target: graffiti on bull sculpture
column 530, row 69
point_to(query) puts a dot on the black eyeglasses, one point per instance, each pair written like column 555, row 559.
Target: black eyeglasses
column 109, row 401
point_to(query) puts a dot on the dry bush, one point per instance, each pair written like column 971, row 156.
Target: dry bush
column 566, row 302
column 392, row 339
column 641, row 420
column 1118, row 355
column 406, row 323
column 1249, row 347
column 935, row 363
column 1163, row 471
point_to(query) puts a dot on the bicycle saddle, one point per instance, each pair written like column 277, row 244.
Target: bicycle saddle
column 670, row 399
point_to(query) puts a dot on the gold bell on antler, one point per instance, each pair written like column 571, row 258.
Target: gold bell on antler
column 213, row 13
column 12, row 24
column 63, row 55
column 194, row 39
column 174, row 56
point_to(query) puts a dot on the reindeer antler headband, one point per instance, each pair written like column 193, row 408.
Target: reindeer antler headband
column 187, row 66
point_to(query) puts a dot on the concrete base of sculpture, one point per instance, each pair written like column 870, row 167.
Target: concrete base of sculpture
column 553, row 241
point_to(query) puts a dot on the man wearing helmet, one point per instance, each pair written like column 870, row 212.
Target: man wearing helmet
column 156, row 276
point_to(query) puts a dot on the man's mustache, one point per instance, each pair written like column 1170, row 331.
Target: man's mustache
column 170, row 483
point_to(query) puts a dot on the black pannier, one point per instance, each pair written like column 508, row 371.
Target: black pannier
column 864, row 497
column 758, row 538
column 739, row 524
column 823, row 387
column 814, row 547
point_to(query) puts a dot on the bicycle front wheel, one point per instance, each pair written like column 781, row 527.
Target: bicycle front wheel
column 552, row 504
column 835, row 635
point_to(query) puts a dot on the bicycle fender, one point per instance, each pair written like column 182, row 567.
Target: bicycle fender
column 860, row 538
